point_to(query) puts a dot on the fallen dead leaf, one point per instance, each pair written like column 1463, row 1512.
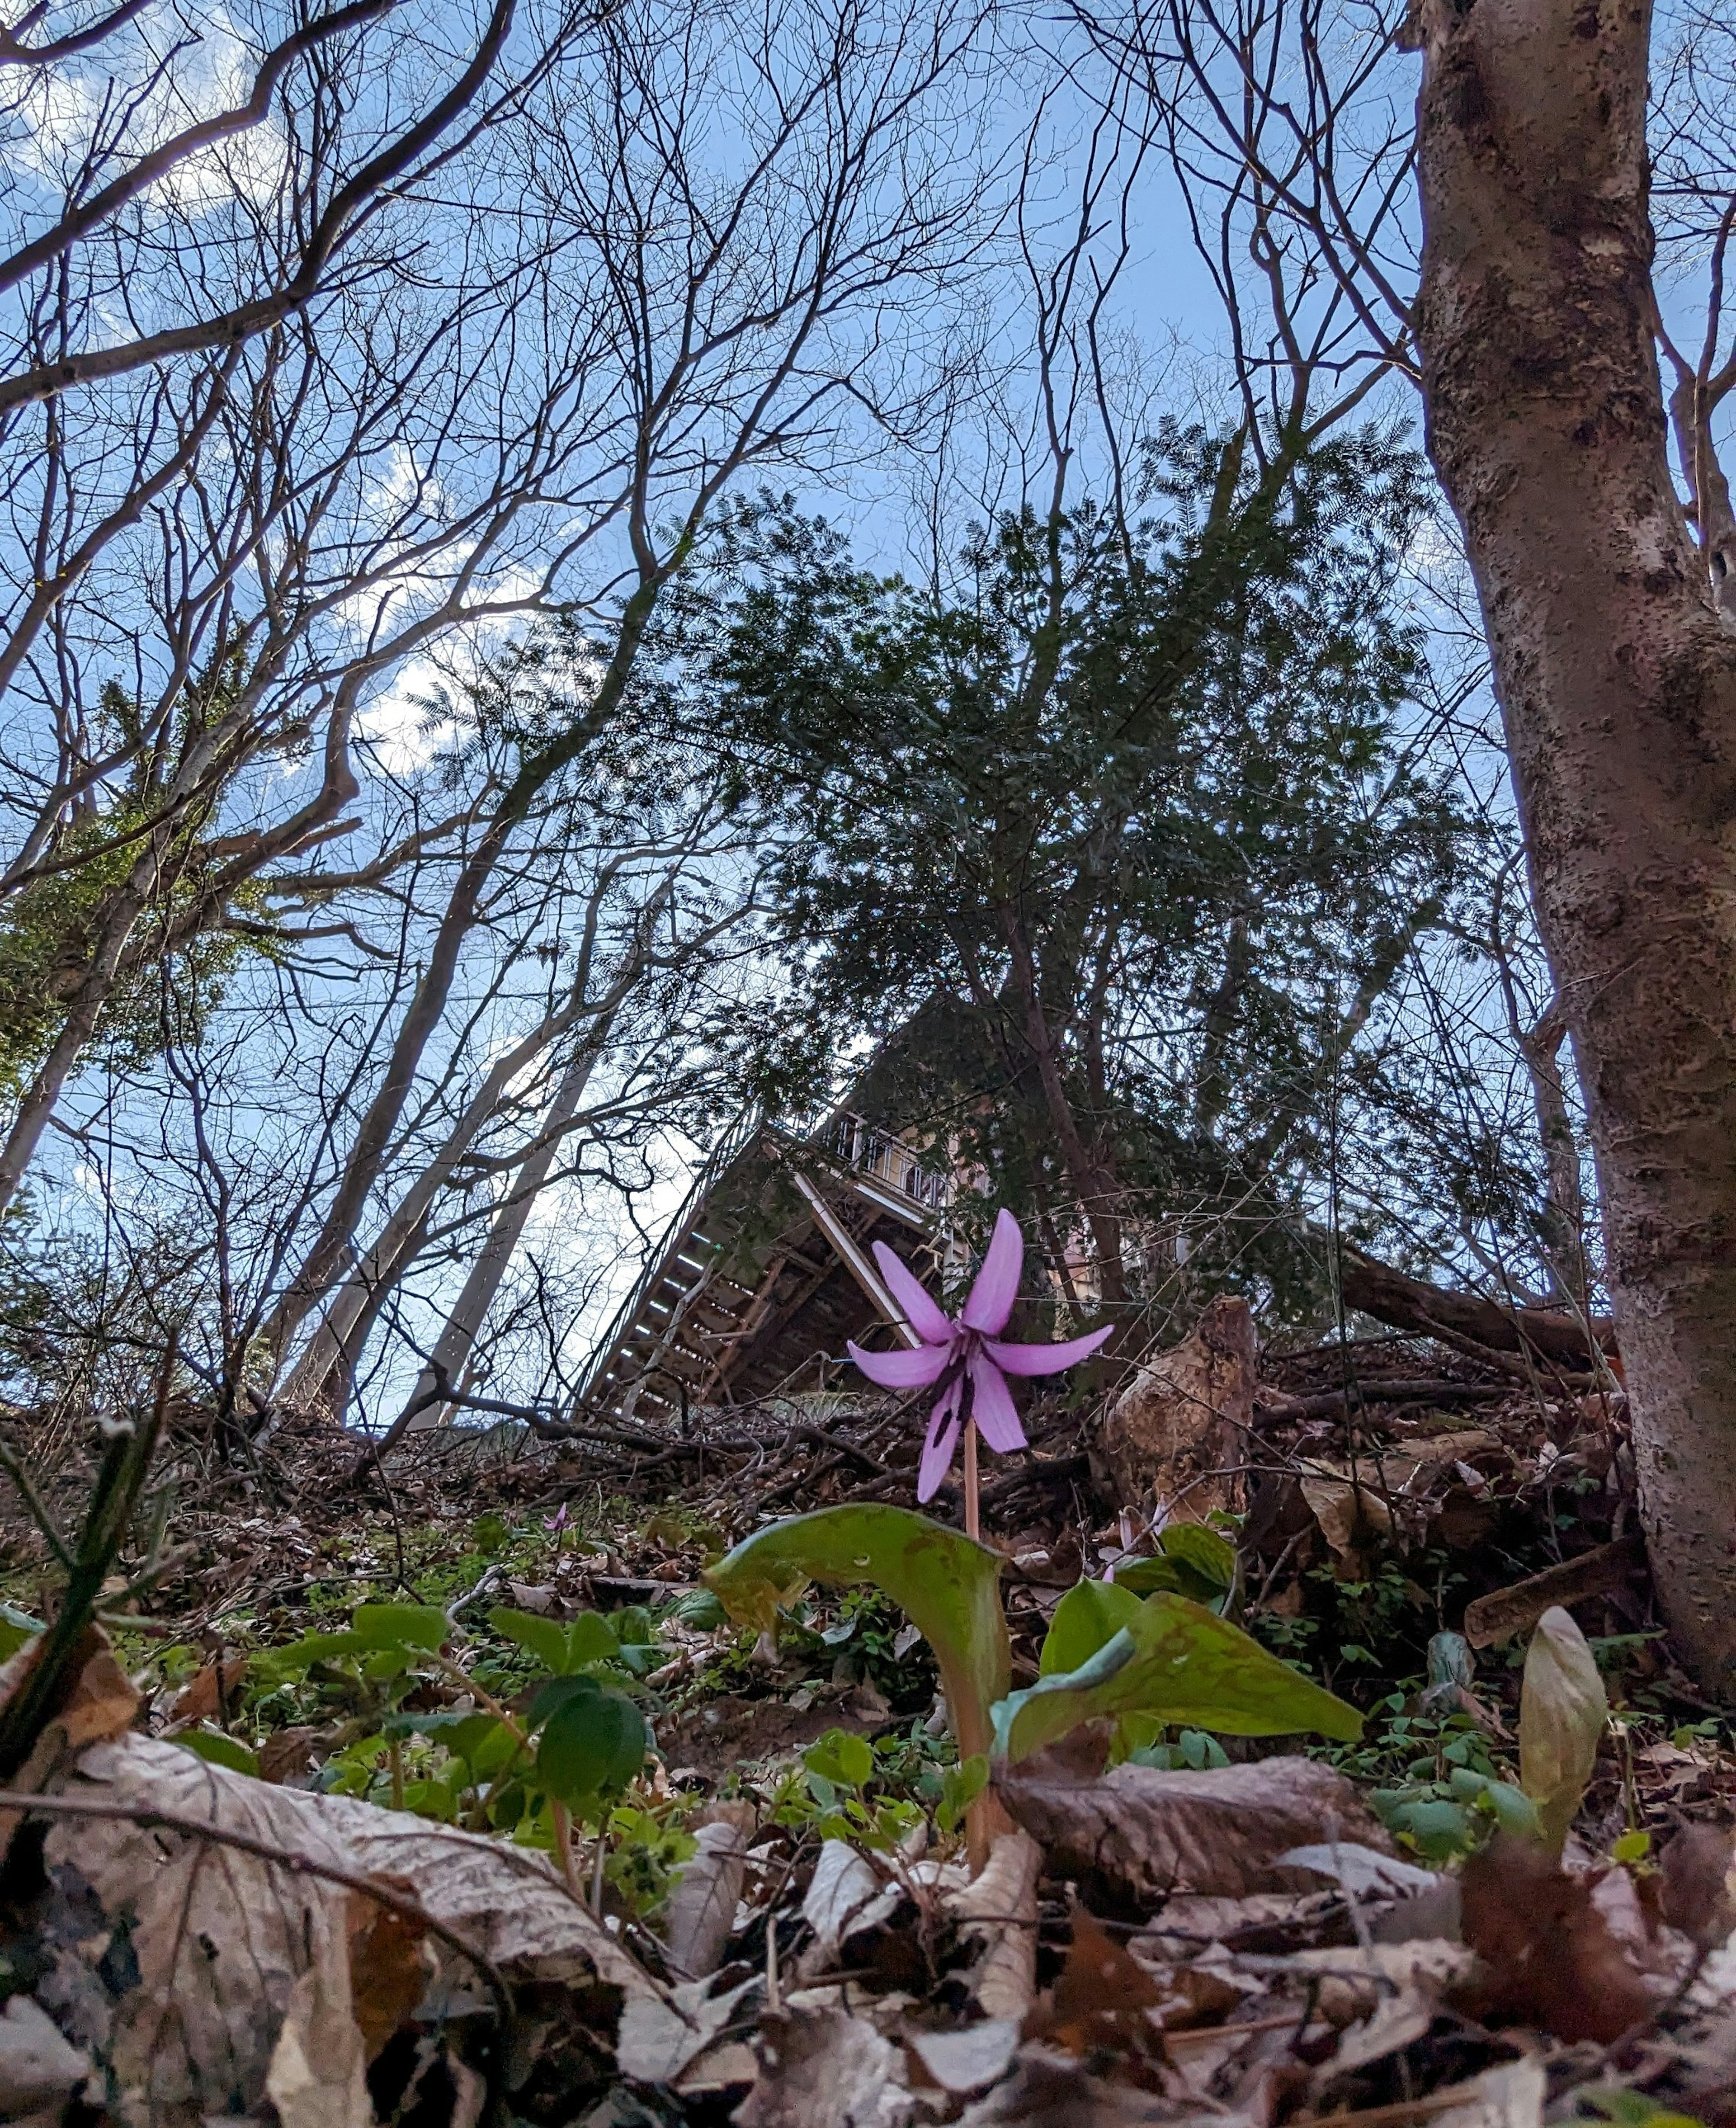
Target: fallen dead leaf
column 1697, row 1894
column 1548, row 1957
column 1351, row 1516
column 997, row 1914
column 1184, row 1420
column 845, row 1892
column 317, row 2076
column 1053, row 2090
column 39, row 2067
column 390, row 1966
column 287, row 1752
column 701, row 1911
column 965, row 2062
column 1102, row 1999
column 823, row 2068
column 204, row 1698
column 1509, row 2095
column 661, row 2035
column 1136, row 1835
column 239, row 1981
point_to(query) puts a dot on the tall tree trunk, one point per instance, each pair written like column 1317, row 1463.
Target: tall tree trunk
column 459, row 1338
column 1617, row 680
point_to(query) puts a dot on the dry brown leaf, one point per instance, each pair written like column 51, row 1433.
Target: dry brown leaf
column 287, row 1752
column 997, row 1914
column 966, row 2061
column 1136, row 1835
column 203, row 1699
column 1350, row 1515
column 1549, row 1958
column 1102, row 1999
column 661, row 2037
column 1697, row 1893
column 239, row 1980
column 1053, row 2090
column 317, row 2076
column 39, row 2067
column 823, row 2069
column 1509, row 2095
column 845, row 1892
column 700, row 1911
column 390, row 1966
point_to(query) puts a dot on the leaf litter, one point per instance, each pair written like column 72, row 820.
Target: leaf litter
column 1502, row 1903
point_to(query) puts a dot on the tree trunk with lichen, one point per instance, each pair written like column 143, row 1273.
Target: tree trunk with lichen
column 1616, row 676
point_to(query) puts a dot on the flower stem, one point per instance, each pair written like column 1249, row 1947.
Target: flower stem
column 972, row 1510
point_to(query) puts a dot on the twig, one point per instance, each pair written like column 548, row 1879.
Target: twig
column 44, row 1522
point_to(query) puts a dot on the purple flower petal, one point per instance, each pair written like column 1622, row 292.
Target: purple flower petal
column 922, row 1311
column 944, row 1424
column 1043, row 1359
column 997, row 1283
column 902, row 1370
column 991, row 1405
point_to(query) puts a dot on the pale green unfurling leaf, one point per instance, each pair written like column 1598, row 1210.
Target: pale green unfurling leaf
column 1562, row 1713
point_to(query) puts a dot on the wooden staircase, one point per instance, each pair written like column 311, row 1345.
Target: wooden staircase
column 766, row 1270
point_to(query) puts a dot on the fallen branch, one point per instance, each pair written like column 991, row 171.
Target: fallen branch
column 1376, row 1289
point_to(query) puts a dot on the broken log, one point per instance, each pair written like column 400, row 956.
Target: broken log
column 1376, row 1289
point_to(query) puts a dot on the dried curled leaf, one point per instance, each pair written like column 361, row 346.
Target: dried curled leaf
column 1563, row 1712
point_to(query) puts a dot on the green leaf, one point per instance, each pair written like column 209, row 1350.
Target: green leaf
column 591, row 1639
column 960, row 1786
column 845, row 1760
column 591, row 1747
column 16, row 1627
column 554, row 1693
column 295, row 1656
column 544, row 1638
column 699, row 1611
column 1562, row 1711
column 945, row 1584
column 1148, row 1577
column 1177, row 1660
column 1090, row 1614
column 218, row 1750
column 1202, row 1550
column 1437, row 1830
column 421, row 1626
column 1632, row 1847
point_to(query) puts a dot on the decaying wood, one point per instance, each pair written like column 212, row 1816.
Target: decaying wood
column 1507, row 1612
column 1174, row 1439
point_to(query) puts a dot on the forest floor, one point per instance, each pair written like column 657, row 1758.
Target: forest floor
column 777, row 1924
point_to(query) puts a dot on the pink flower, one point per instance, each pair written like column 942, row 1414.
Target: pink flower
column 966, row 1353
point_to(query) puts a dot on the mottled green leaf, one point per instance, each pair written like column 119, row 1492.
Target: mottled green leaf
column 947, row 1585
column 1088, row 1616
column 1177, row 1660
column 1203, row 1551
